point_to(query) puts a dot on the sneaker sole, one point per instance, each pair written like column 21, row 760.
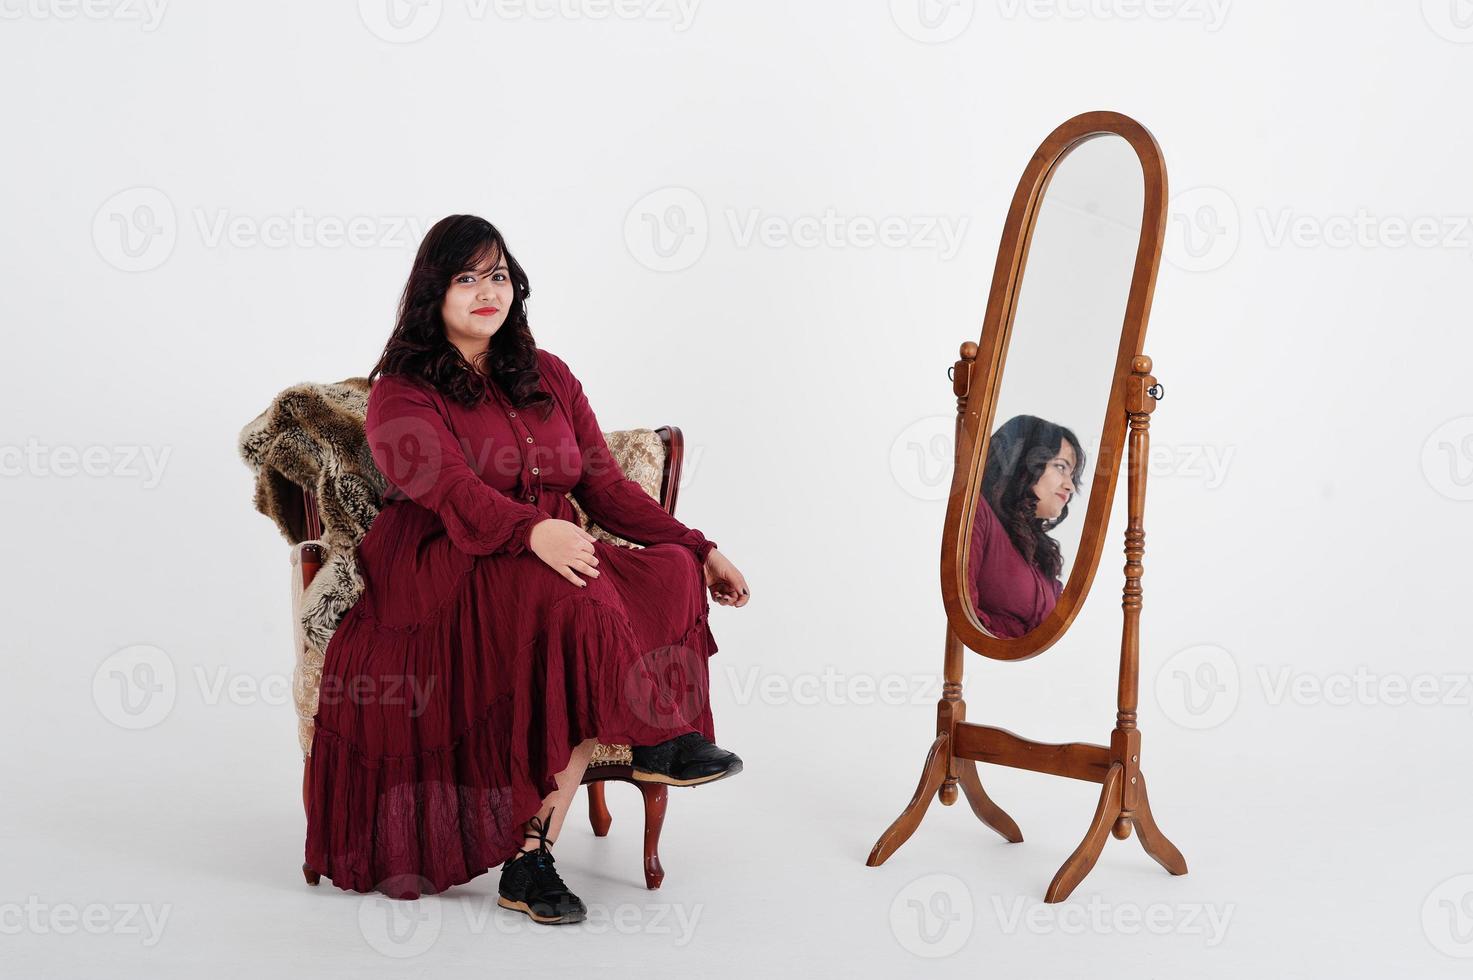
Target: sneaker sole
column 645, row 776
column 546, row 920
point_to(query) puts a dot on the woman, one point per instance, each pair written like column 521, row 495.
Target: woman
column 496, row 641
column 1033, row 469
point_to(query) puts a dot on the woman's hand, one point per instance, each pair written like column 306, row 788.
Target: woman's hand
column 727, row 585
column 565, row 547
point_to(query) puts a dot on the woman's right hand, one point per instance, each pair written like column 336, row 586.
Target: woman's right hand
column 565, row 547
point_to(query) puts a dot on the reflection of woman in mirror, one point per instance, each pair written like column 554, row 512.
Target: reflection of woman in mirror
column 1034, row 468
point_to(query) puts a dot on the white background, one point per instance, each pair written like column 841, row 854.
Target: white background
column 1308, row 517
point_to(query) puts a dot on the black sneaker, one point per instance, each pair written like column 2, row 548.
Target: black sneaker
column 530, row 884
column 686, row 760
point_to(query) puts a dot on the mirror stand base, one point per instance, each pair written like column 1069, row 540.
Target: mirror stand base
column 1119, row 773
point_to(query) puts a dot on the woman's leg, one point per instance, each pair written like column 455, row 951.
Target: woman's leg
column 555, row 806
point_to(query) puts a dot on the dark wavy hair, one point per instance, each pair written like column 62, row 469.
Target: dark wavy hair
column 419, row 347
column 1020, row 449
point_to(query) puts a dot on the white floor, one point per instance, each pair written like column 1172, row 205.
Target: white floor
column 148, row 857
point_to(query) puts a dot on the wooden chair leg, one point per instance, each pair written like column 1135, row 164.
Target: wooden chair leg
column 655, row 797
column 598, row 810
column 312, row 876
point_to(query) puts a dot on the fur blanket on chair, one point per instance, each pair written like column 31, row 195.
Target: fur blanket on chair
column 311, row 436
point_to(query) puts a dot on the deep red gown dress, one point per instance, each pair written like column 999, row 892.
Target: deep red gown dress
column 1010, row 594
column 457, row 686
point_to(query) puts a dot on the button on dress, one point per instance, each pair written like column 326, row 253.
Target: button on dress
column 458, row 685
column 1011, row 595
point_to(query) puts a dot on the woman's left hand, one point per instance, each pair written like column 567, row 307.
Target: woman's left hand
column 727, row 585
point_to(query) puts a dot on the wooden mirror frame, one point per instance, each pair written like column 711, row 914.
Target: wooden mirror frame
column 951, row 762
column 977, row 379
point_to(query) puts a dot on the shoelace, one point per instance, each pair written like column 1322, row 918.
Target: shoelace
column 545, row 874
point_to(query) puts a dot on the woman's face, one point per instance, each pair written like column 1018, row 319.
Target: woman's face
column 1056, row 486
column 476, row 305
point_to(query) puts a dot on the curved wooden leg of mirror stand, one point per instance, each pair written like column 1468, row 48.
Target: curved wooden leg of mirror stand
column 598, row 810
column 933, row 774
column 1162, row 850
column 1088, row 851
column 989, row 812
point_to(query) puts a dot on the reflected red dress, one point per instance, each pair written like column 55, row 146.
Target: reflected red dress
column 457, row 686
column 1010, row 594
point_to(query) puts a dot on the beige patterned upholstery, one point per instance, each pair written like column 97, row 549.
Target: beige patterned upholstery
column 640, row 453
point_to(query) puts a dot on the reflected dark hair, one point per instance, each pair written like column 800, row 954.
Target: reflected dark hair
column 419, row 347
column 1016, row 456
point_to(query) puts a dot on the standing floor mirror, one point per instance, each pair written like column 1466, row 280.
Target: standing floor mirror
column 1059, row 365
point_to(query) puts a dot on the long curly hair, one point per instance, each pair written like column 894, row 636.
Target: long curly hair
column 419, row 348
column 1020, row 449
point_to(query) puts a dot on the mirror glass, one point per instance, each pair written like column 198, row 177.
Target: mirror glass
column 1058, row 367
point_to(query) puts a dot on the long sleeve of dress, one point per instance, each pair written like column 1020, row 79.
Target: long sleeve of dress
column 615, row 502
column 414, row 449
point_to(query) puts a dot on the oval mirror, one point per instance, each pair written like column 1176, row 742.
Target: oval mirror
column 1041, row 397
